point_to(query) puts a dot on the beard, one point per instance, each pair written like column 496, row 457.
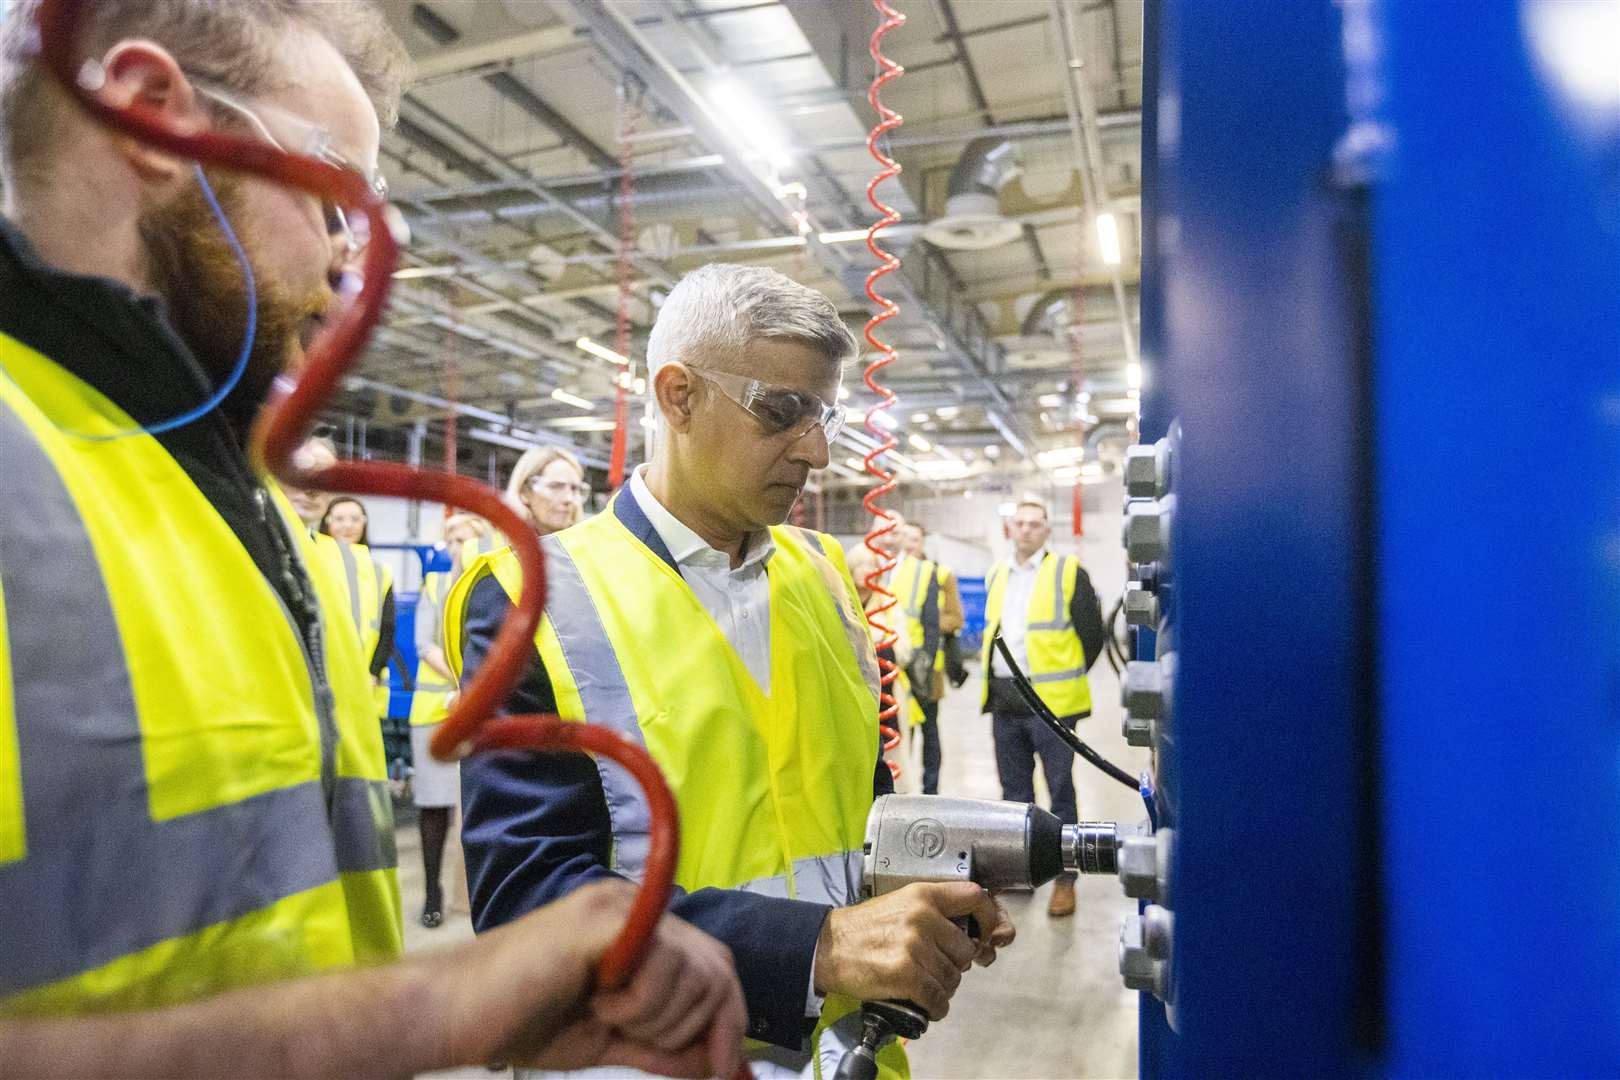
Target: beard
column 193, row 268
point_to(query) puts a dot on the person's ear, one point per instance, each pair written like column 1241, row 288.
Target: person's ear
column 145, row 74
column 676, row 391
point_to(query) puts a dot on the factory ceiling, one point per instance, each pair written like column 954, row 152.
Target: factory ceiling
column 743, row 123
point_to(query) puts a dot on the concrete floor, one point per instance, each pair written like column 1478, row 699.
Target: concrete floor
column 1052, row 1005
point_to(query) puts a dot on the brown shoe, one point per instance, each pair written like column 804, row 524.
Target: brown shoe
column 1062, row 900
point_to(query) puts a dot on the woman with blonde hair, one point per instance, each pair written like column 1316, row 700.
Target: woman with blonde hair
column 548, row 483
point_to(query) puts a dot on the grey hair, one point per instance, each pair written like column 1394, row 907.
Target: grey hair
column 239, row 44
column 714, row 313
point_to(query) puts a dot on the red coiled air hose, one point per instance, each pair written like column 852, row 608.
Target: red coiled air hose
column 285, row 422
column 883, row 521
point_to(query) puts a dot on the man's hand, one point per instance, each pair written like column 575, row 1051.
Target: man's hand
column 524, row 994
column 904, row 945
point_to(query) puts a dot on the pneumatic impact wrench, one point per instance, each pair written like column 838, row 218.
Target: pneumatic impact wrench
column 1000, row 846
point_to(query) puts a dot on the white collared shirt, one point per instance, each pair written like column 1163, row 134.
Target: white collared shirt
column 739, row 601
column 1015, row 612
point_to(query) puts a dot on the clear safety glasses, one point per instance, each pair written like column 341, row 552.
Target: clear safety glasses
column 779, row 409
column 557, row 489
column 310, row 140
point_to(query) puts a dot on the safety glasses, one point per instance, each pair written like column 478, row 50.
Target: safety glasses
column 310, row 140
column 558, row 488
column 779, row 409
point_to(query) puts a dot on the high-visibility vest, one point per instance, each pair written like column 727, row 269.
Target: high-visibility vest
column 1057, row 660
column 367, row 581
column 628, row 645
column 917, row 586
column 429, row 701
column 191, row 798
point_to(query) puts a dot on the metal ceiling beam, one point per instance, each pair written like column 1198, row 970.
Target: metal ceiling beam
column 954, row 33
column 625, row 44
column 512, row 89
column 469, row 58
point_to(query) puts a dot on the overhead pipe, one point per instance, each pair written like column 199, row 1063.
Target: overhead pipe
column 1078, row 98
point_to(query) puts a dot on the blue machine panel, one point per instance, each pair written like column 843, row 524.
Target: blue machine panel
column 1381, row 297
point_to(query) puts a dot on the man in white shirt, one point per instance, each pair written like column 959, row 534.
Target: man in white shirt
column 1047, row 613
column 686, row 616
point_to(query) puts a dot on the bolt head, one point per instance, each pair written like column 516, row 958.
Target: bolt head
column 1141, row 606
column 1142, row 472
column 1147, row 530
column 1142, row 689
column 1139, row 867
column 1139, row 970
column 1137, row 731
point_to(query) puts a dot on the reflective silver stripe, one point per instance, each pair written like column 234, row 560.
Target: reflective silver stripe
column 1060, row 613
column 351, row 571
column 859, row 640
column 433, row 687
column 377, row 571
column 363, row 825
column 1058, row 676
column 820, row 879
column 914, row 606
column 605, row 696
column 100, row 878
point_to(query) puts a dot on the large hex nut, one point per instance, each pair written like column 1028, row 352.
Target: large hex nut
column 1147, row 470
column 1139, row 867
column 1141, row 606
column 1147, row 529
column 1142, row 690
column 1139, row 731
column 1137, row 968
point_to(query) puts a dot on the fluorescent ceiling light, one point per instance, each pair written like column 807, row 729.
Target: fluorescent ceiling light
column 751, row 128
column 1108, row 238
column 1007, row 509
column 413, row 273
column 581, row 423
column 841, row 236
column 992, row 451
column 948, row 412
column 1066, row 455
column 1050, row 401
column 585, row 344
column 919, row 443
column 1133, row 376
column 855, row 463
column 883, row 420
column 918, row 417
column 572, row 399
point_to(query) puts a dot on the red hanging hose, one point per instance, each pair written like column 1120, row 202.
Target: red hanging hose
column 627, row 247
column 293, row 405
column 883, row 521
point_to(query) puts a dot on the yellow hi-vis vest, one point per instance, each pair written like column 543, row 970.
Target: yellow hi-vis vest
column 366, row 582
column 429, row 701
column 1057, row 660
column 773, row 791
column 918, row 583
column 189, row 800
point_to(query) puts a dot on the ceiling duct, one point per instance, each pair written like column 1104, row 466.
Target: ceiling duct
column 1053, row 313
column 973, row 220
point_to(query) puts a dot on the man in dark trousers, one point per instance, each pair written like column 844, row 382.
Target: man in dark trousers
column 1047, row 612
